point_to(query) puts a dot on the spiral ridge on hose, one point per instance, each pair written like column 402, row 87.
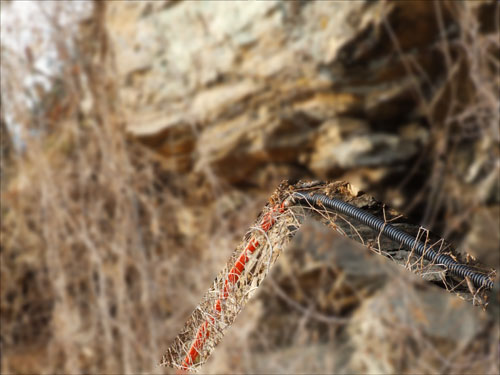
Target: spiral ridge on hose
column 396, row 235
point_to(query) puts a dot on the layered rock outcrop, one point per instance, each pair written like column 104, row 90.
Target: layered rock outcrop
column 167, row 130
column 384, row 94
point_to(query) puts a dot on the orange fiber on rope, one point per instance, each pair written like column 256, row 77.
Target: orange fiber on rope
column 233, row 276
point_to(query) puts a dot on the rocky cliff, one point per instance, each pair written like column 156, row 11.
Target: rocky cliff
column 382, row 93
column 166, row 129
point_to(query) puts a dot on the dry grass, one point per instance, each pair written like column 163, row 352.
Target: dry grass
column 462, row 110
column 93, row 243
column 100, row 264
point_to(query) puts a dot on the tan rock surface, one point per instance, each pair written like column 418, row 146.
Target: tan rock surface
column 108, row 243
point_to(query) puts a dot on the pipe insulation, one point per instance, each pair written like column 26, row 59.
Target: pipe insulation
column 394, row 234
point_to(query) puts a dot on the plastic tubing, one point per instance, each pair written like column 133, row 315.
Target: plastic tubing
column 394, row 234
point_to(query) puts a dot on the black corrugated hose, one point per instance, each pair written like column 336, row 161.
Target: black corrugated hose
column 396, row 235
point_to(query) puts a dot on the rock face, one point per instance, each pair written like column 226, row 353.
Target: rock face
column 326, row 88
column 259, row 84
column 108, row 243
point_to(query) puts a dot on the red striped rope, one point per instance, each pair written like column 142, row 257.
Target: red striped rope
column 233, row 276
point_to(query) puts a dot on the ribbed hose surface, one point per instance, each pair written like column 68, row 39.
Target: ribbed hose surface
column 396, row 235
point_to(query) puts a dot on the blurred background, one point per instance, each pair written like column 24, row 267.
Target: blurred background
column 139, row 140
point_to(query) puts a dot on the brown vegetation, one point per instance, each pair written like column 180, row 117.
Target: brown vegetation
column 142, row 177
